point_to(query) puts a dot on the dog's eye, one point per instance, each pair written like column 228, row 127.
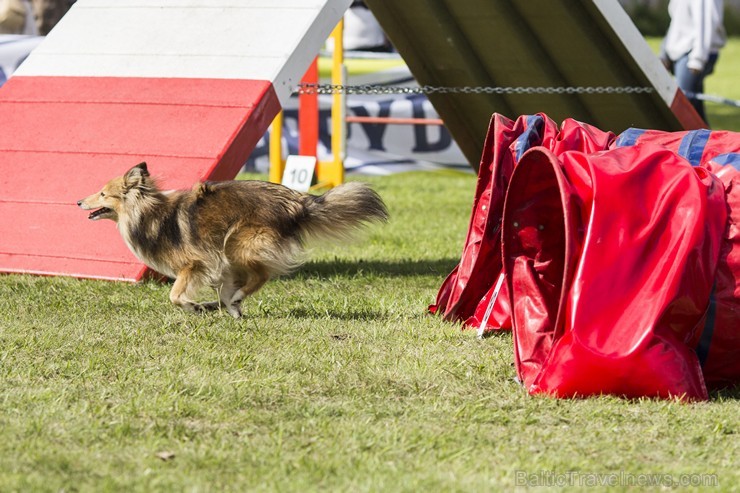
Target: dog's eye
column 102, row 194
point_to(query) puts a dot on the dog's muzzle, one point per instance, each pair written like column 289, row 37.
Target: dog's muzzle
column 96, row 213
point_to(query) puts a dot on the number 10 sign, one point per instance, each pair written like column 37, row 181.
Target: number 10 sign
column 299, row 172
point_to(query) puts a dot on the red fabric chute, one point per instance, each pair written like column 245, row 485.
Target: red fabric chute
column 471, row 291
column 617, row 261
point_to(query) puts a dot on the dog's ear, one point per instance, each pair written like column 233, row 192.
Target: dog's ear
column 136, row 175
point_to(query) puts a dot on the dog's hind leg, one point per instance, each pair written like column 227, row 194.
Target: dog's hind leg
column 185, row 288
column 250, row 252
column 250, row 281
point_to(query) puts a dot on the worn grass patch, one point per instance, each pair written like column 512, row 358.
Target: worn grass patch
column 336, row 380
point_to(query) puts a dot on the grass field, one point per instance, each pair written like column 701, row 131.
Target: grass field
column 335, row 380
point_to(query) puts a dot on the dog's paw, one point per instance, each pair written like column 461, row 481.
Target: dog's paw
column 235, row 311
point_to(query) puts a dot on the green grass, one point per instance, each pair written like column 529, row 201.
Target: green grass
column 723, row 82
column 336, row 380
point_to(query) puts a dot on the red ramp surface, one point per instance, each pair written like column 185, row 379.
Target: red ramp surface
column 70, row 135
column 83, row 109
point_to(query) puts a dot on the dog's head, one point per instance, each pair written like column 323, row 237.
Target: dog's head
column 108, row 202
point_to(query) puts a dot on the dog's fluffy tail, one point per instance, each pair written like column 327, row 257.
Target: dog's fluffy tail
column 342, row 211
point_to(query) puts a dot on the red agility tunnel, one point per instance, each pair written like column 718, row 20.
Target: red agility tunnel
column 619, row 259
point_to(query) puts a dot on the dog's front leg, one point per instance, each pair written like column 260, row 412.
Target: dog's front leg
column 184, row 290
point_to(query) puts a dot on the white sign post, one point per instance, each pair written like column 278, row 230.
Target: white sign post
column 299, row 172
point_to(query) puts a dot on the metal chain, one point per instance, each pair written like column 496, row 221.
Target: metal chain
column 379, row 89
column 714, row 99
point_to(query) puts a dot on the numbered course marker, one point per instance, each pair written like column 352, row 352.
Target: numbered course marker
column 299, row 172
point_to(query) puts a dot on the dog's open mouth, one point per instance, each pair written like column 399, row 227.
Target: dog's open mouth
column 99, row 212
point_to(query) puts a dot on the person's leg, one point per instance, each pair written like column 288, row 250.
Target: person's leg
column 709, row 67
column 690, row 83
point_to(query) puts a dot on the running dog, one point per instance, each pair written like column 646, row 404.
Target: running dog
column 233, row 235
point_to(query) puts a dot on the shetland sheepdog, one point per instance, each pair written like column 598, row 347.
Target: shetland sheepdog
column 232, row 235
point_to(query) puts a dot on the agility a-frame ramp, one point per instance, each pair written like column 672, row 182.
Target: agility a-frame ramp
column 533, row 43
column 189, row 86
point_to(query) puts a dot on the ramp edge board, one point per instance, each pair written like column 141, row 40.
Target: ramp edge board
column 647, row 62
column 87, row 269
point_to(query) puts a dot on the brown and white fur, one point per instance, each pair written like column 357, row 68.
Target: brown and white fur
column 232, row 235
